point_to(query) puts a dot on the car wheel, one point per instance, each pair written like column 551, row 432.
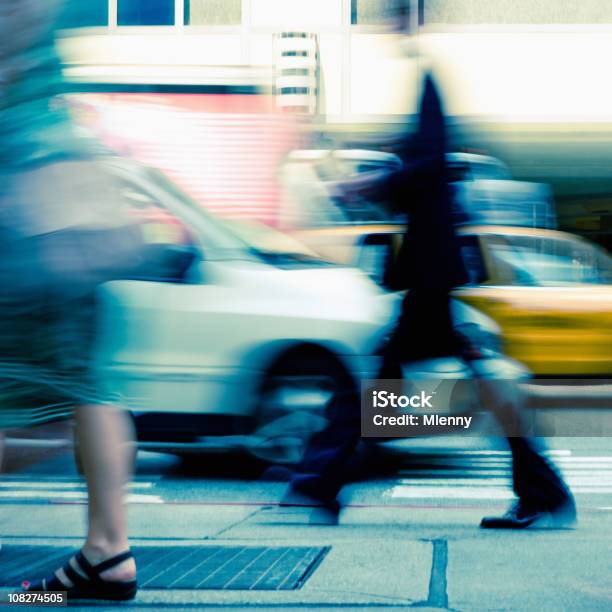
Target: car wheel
column 294, row 400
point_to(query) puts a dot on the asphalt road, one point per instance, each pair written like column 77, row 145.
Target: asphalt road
column 408, row 535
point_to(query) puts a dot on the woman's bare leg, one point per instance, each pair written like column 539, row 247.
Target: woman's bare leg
column 105, row 438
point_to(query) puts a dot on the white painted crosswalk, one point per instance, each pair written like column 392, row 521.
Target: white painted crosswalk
column 474, row 475
column 66, row 489
column 445, row 475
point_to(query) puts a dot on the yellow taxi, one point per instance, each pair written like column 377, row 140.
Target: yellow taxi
column 550, row 291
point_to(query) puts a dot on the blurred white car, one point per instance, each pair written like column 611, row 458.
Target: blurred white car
column 245, row 345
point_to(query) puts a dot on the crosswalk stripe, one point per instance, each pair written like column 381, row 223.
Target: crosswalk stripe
column 496, row 482
column 144, row 499
column 69, row 489
column 479, row 474
column 577, row 461
column 410, row 492
column 133, row 498
column 71, row 495
column 489, row 477
column 499, row 453
column 62, row 485
column 60, row 479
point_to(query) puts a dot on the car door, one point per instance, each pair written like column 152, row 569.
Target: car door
column 170, row 346
column 552, row 299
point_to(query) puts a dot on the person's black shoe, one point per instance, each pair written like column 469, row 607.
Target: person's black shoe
column 522, row 516
column 324, row 512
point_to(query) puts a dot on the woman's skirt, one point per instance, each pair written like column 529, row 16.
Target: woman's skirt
column 47, row 326
column 45, row 361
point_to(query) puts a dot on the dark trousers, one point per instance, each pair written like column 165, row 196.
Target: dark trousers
column 327, row 464
column 535, row 481
column 328, row 459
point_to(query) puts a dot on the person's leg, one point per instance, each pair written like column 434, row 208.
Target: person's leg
column 330, row 455
column 105, row 567
column 535, row 480
column 104, row 437
column 326, row 464
column 537, row 484
column 391, row 362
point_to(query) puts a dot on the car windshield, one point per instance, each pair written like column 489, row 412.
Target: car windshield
column 491, row 171
column 552, row 261
column 273, row 245
column 230, row 236
column 216, row 233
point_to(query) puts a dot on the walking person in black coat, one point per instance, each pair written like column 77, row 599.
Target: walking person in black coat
column 429, row 266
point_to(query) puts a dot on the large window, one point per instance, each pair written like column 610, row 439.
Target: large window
column 85, row 14
column 517, row 11
column 376, row 12
column 213, row 12
column 145, row 12
column 92, row 13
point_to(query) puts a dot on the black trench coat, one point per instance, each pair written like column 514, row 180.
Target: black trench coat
column 429, row 264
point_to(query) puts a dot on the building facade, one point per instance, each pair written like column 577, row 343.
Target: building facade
column 357, row 53
column 363, row 73
column 530, row 73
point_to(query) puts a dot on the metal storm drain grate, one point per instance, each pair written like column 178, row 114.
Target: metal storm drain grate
column 257, row 568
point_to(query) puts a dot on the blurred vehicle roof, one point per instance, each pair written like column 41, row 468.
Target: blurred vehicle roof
column 351, row 179
column 474, row 158
column 520, row 231
column 398, row 227
column 391, row 159
column 345, row 154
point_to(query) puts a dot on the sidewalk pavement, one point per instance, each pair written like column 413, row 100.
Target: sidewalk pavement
column 430, row 558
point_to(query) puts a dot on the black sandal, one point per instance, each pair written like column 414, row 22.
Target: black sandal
column 90, row 585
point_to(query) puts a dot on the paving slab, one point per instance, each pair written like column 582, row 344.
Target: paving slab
column 530, row 571
column 152, row 521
